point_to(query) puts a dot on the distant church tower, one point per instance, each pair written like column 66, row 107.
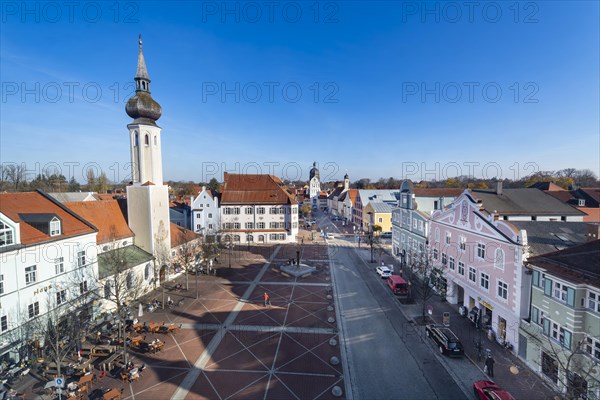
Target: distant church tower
column 147, row 197
column 346, row 183
column 314, row 183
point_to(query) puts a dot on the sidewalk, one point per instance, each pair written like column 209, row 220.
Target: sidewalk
column 524, row 384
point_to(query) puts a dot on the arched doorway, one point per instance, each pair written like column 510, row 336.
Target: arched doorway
column 163, row 273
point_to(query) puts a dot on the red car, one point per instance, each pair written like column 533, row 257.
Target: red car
column 488, row 390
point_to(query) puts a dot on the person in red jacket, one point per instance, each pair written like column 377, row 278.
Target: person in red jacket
column 267, row 299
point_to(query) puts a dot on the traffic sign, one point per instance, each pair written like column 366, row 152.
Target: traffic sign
column 59, row 382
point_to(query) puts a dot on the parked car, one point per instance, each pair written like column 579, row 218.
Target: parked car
column 329, row 235
column 446, row 340
column 487, row 390
column 386, row 235
column 383, row 271
column 398, row 285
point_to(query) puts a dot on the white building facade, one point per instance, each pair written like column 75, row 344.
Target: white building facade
column 205, row 213
column 48, row 261
column 257, row 209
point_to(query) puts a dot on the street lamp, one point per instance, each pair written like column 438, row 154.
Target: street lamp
column 371, row 234
column 229, row 247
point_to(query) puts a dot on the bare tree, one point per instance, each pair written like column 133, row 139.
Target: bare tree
column 188, row 249
column 162, row 259
column 20, row 336
column 91, row 180
column 210, row 249
column 569, row 365
column 15, row 173
column 102, row 184
column 120, row 285
column 424, row 278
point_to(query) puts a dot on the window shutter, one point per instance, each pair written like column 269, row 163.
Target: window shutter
column 547, row 286
column 534, row 315
column 571, row 297
column 536, row 278
column 567, row 341
column 546, row 327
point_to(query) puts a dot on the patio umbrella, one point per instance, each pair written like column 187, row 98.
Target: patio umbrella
column 140, row 310
column 50, row 384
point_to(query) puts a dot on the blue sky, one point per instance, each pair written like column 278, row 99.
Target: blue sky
column 375, row 89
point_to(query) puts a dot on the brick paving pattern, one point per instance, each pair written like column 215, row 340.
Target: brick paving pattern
column 232, row 346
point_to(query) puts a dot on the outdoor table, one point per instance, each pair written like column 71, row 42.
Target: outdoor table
column 156, row 347
column 85, row 379
column 137, row 339
column 112, row 394
column 102, row 350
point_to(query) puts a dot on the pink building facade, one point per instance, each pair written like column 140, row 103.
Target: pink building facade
column 481, row 259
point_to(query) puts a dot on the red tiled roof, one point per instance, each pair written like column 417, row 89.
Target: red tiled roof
column 104, row 196
column 15, row 204
column 353, row 193
column 254, row 189
column 180, row 235
column 105, row 215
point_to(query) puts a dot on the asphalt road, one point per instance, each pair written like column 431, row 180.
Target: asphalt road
column 386, row 358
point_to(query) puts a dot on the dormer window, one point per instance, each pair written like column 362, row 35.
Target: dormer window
column 7, row 235
column 581, row 202
column 55, row 227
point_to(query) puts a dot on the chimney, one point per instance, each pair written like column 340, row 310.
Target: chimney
column 498, row 187
column 523, row 237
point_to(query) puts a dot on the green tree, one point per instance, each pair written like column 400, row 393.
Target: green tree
column 213, row 185
column 91, row 180
column 102, row 185
column 74, row 186
column 40, row 182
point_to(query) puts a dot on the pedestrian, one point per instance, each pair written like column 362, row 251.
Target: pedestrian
column 489, row 365
column 267, row 299
column 98, row 337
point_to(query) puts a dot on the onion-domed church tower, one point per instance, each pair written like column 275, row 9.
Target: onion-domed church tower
column 314, row 185
column 147, row 196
